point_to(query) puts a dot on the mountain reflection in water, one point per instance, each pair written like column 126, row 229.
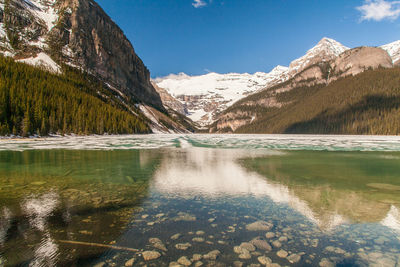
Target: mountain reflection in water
column 324, row 203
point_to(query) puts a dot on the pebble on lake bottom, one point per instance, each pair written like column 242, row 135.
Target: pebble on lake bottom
column 184, row 261
column 183, row 246
column 151, row 255
column 282, row 253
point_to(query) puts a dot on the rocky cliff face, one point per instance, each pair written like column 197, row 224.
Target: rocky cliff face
column 80, row 34
column 169, row 101
column 357, row 60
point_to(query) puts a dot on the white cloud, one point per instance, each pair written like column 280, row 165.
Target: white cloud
column 199, row 3
column 379, row 10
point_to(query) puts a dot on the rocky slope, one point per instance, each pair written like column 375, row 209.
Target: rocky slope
column 252, row 109
column 357, row 60
column 80, row 34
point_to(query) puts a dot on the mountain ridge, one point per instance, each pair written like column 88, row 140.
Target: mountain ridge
column 211, row 103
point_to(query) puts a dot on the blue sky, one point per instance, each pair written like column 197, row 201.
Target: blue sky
column 198, row 36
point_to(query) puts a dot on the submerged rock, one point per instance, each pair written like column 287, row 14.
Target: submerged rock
column 294, row 258
column 282, row 253
column 130, row 262
column 335, row 250
column 184, row 261
column 245, row 255
column 277, row 244
column 326, row 263
column 283, row 239
column 212, row 255
column 264, row 260
column 175, row 236
column 151, row 255
column 259, row 226
column 270, row 235
column 157, row 243
column 261, row 244
column 175, row 264
column 248, row 246
column 182, row 216
column 183, row 246
column 198, row 239
column 197, row 257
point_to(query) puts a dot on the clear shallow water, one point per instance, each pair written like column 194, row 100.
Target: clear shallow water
column 87, row 201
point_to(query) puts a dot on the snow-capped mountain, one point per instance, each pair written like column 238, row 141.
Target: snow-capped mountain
column 394, row 51
column 326, row 50
column 206, row 95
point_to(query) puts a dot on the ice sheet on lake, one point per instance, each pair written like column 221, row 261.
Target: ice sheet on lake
column 154, row 141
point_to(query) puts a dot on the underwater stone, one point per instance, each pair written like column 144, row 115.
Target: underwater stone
column 261, row 244
column 197, row 257
column 264, row 260
column 130, row 262
column 282, row 253
column 151, row 255
column 248, row 246
column 157, row 243
column 326, row 263
column 294, row 258
column 270, row 235
column 277, row 244
column 174, row 264
column 184, row 261
column 212, row 255
column 183, row 246
column 259, row 226
column 175, row 236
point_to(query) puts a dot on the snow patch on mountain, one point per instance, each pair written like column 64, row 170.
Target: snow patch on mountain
column 44, row 61
column 393, row 50
column 45, row 12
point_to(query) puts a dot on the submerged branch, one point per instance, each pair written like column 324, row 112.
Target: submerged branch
column 97, row 245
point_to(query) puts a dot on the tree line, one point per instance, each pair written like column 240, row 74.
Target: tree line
column 35, row 101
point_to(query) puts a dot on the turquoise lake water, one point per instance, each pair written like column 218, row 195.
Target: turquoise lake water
column 200, row 200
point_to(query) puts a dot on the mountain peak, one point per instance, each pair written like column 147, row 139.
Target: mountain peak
column 326, row 49
column 279, row 68
column 330, row 46
column 327, row 40
column 393, row 50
